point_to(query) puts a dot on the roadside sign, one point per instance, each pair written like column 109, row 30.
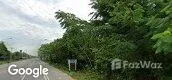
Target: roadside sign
column 72, row 61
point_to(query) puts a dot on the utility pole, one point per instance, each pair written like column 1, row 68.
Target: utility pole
column 21, row 54
column 11, row 50
column 11, row 55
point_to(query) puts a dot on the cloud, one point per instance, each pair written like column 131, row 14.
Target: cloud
column 30, row 22
column 24, row 15
column 80, row 8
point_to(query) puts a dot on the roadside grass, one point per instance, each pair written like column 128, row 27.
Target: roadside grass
column 85, row 75
column 3, row 62
column 80, row 74
column 7, row 61
column 168, row 78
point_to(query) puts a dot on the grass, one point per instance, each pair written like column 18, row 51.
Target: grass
column 85, row 75
column 7, row 61
column 168, row 78
column 3, row 62
column 79, row 75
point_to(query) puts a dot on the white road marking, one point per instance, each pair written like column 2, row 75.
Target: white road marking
column 23, row 77
column 47, row 77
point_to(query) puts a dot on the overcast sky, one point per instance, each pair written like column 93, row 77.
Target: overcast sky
column 26, row 24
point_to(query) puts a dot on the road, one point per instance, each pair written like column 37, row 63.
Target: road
column 53, row 73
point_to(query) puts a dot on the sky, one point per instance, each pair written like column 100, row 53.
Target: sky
column 26, row 24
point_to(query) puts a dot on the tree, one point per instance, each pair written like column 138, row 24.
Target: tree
column 161, row 29
column 122, row 29
column 3, row 50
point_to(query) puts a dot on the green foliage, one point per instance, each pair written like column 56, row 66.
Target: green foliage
column 6, row 55
column 161, row 29
column 164, row 41
column 3, row 50
column 19, row 55
column 118, row 29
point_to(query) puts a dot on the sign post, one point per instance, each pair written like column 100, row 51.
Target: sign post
column 72, row 61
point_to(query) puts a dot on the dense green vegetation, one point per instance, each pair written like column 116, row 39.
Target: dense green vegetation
column 130, row 30
column 6, row 55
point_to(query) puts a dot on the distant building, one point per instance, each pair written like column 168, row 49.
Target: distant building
column 3, row 57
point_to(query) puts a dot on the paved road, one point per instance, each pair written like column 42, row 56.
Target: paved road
column 53, row 73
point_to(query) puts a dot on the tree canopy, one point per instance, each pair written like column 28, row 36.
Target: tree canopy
column 130, row 30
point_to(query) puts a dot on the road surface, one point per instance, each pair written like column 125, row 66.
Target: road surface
column 53, row 73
